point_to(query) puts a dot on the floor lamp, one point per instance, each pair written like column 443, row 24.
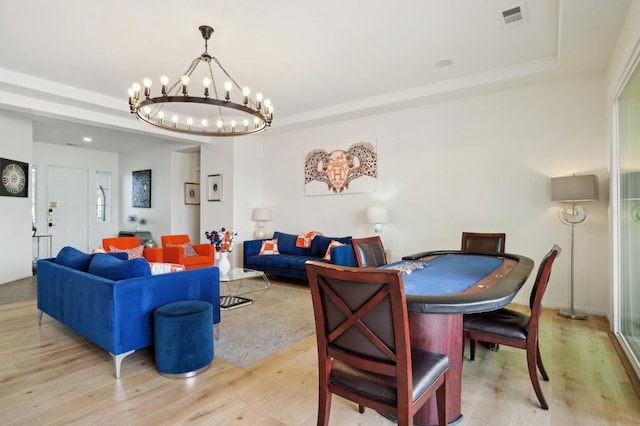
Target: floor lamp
column 572, row 189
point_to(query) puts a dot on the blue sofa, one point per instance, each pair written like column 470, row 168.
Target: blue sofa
column 290, row 262
column 109, row 300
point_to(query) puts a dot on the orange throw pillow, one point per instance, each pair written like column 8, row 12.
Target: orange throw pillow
column 333, row 243
column 269, row 247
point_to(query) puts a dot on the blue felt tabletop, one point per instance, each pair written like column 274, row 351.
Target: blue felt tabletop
column 444, row 274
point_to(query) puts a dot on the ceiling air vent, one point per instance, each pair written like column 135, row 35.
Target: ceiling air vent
column 513, row 15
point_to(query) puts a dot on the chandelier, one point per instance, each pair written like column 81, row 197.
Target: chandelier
column 177, row 110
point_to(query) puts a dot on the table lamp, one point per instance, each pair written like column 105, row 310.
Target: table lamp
column 261, row 215
column 377, row 215
column 571, row 189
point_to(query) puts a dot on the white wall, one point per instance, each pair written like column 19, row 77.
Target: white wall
column 185, row 218
column 476, row 164
column 158, row 217
column 15, row 226
column 45, row 155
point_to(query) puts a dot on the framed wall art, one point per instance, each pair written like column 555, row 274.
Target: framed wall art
column 191, row 193
column 15, row 178
column 141, row 189
column 214, row 187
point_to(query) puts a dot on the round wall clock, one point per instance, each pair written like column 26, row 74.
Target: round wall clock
column 14, row 178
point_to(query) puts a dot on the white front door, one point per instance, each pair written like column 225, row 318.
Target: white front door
column 67, row 206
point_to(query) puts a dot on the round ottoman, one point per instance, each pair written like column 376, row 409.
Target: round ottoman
column 183, row 334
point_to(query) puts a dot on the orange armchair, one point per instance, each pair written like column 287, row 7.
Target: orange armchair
column 153, row 254
column 176, row 248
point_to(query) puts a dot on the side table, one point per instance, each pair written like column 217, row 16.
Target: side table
column 49, row 247
column 234, row 296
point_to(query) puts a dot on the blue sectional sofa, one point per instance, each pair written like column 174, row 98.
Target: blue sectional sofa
column 109, row 300
column 290, row 262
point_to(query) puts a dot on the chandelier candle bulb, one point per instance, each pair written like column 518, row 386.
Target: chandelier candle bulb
column 147, row 87
column 227, row 90
column 245, row 95
column 136, row 91
column 174, row 120
column 206, row 82
column 160, row 117
column 258, row 101
column 189, row 122
column 185, row 84
column 164, row 81
column 204, row 125
column 233, row 126
column 245, row 122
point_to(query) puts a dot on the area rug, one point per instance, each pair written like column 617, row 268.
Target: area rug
column 280, row 317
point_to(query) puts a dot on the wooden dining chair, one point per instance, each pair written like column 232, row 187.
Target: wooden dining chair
column 483, row 242
column 369, row 252
column 516, row 329
column 364, row 355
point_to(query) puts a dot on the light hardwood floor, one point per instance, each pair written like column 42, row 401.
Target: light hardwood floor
column 50, row 375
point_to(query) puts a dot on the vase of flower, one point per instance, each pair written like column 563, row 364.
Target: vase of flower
column 224, row 265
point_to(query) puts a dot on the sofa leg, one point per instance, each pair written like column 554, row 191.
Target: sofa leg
column 117, row 360
column 40, row 318
column 216, row 331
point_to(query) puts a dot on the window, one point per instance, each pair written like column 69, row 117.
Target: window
column 103, row 197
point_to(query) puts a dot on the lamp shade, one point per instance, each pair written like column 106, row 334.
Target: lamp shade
column 630, row 186
column 377, row 214
column 261, row 214
column 574, row 188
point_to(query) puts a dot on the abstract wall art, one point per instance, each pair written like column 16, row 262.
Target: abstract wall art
column 346, row 170
column 142, row 189
column 15, row 178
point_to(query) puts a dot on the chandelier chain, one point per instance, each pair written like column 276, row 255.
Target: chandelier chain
column 215, row 89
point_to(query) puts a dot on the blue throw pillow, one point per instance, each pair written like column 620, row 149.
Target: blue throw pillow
column 287, row 244
column 110, row 267
column 74, row 258
column 320, row 244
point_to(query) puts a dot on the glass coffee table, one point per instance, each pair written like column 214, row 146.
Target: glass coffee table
column 236, row 290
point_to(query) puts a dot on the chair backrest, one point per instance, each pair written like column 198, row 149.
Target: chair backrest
column 361, row 320
column 542, row 280
column 174, row 239
column 369, row 252
column 483, row 242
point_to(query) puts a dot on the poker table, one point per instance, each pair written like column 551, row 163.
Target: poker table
column 441, row 286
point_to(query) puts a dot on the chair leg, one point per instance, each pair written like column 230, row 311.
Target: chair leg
column 543, row 372
column 533, row 375
column 324, row 406
column 360, row 408
column 441, row 401
column 472, row 349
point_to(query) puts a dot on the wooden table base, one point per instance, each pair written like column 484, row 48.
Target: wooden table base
column 440, row 333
